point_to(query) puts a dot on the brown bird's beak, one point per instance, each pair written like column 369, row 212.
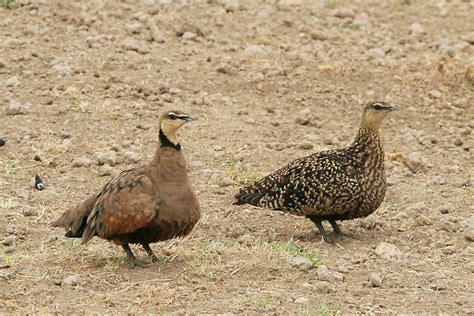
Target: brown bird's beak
column 190, row 118
column 392, row 107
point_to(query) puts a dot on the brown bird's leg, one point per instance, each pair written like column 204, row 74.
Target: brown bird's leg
column 150, row 252
column 131, row 257
column 321, row 229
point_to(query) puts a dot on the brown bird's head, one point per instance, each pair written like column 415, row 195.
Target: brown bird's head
column 375, row 112
column 170, row 122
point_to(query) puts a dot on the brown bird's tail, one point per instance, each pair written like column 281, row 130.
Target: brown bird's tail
column 75, row 219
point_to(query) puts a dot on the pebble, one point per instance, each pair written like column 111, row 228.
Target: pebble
column 13, row 82
column 301, row 263
column 416, row 28
column 71, row 280
column 226, row 182
column 254, row 49
column 415, row 162
column 9, row 240
column 2, row 142
column 387, row 251
column 436, row 287
column 446, row 208
column 16, row 108
column 106, row 170
column 246, row 239
column 324, row 274
column 63, row 70
column 447, row 225
column 189, row 35
column 304, row 117
column 232, row 5
column 422, row 220
column 301, row 300
column 131, row 157
column 106, row 158
column 343, row 13
column 469, row 231
column 434, row 94
column 3, row 63
column 375, row 279
column 324, row 287
column 156, row 34
column 368, row 222
column 208, row 172
column 133, row 45
column 81, row 162
column 440, row 180
column 29, row 211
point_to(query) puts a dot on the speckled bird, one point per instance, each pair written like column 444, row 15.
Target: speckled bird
column 143, row 205
column 332, row 185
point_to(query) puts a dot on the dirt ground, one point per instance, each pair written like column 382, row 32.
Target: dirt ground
column 82, row 84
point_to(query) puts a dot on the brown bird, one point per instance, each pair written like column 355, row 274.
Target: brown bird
column 332, row 185
column 143, row 205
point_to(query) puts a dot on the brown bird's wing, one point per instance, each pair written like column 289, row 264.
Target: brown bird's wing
column 125, row 204
column 74, row 218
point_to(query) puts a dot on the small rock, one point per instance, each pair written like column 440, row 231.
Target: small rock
column 469, row 233
column 306, row 145
column 13, row 82
column 2, row 142
column 434, row 94
column 208, row 172
column 368, row 222
column 324, row 287
column 71, row 280
column 106, row 170
column 422, row 220
column 231, row 5
column 415, row 162
column 237, row 231
column 106, row 158
column 416, row 28
column 301, row 263
column 436, row 287
column 388, row 251
column 9, row 240
column 16, row 108
column 447, row 225
column 301, row 300
column 323, row 273
column 343, row 13
column 303, row 117
column 375, row 279
column 81, row 162
column 131, row 157
column 254, row 49
column 225, row 182
column 3, row 63
column 189, row 35
column 133, row 45
column 29, row 211
column 63, row 70
column 438, row 180
column 446, row 208
column 246, row 239
column 156, row 34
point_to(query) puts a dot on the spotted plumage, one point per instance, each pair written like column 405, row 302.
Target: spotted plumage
column 332, row 185
column 142, row 205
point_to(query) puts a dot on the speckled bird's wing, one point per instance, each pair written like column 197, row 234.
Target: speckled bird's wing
column 127, row 203
column 322, row 183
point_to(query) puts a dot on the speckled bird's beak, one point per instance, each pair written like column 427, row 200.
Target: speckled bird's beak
column 392, row 107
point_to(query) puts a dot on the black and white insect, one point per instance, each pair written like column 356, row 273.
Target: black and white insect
column 39, row 184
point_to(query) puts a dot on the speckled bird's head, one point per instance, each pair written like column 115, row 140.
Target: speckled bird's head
column 375, row 112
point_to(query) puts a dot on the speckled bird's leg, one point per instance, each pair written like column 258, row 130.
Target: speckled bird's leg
column 150, row 253
column 335, row 227
column 131, row 257
column 321, row 229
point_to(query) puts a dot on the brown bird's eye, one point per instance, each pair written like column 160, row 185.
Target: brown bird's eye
column 173, row 117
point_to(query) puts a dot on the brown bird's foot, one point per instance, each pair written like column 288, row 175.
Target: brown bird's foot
column 151, row 254
column 130, row 258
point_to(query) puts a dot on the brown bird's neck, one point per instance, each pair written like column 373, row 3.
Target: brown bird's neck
column 168, row 139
